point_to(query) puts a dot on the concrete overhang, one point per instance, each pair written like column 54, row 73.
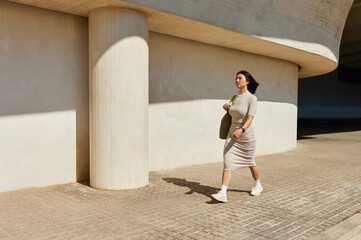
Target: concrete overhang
column 307, row 33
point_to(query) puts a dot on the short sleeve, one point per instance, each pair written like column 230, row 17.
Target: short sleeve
column 252, row 108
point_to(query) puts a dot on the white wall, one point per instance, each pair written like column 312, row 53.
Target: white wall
column 44, row 130
column 190, row 81
column 43, row 97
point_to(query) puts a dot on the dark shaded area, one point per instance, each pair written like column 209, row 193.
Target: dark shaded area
column 332, row 98
column 85, row 183
column 334, row 90
column 309, row 127
column 349, row 74
column 196, row 187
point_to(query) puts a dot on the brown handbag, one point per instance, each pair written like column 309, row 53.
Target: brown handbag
column 225, row 123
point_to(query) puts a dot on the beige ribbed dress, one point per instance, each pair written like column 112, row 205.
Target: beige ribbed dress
column 240, row 153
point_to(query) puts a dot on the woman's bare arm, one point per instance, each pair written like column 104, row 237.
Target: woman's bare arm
column 248, row 121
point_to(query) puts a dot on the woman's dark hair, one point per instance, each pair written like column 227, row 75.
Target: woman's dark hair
column 252, row 85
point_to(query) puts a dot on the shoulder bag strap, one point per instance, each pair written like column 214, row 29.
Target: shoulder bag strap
column 230, row 102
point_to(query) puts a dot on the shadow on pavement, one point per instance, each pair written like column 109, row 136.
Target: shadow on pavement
column 196, row 187
column 307, row 128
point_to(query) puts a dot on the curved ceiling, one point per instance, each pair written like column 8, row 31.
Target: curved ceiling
column 350, row 49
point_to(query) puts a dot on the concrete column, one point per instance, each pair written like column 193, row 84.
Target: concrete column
column 118, row 69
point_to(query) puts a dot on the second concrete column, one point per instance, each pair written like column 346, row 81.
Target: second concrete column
column 118, row 63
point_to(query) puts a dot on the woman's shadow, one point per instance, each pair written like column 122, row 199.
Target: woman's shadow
column 196, row 187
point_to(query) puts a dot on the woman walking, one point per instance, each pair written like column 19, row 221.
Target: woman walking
column 240, row 145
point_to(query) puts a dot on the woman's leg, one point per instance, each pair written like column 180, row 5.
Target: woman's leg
column 222, row 194
column 226, row 177
column 257, row 187
column 255, row 172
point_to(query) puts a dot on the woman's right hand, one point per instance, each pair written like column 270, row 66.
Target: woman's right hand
column 226, row 106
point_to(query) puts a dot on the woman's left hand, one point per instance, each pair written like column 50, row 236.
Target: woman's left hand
column 237, row 134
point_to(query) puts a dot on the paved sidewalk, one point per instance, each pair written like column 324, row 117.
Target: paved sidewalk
column 307, row 191
column 349, row 229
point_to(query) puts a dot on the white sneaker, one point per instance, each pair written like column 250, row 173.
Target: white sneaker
column 219, row 196
column 256, row 190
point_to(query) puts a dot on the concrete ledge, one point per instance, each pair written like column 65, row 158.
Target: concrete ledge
column 350, row 229
column 307, row 33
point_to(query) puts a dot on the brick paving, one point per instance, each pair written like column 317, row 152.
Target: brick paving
column 307, row 190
